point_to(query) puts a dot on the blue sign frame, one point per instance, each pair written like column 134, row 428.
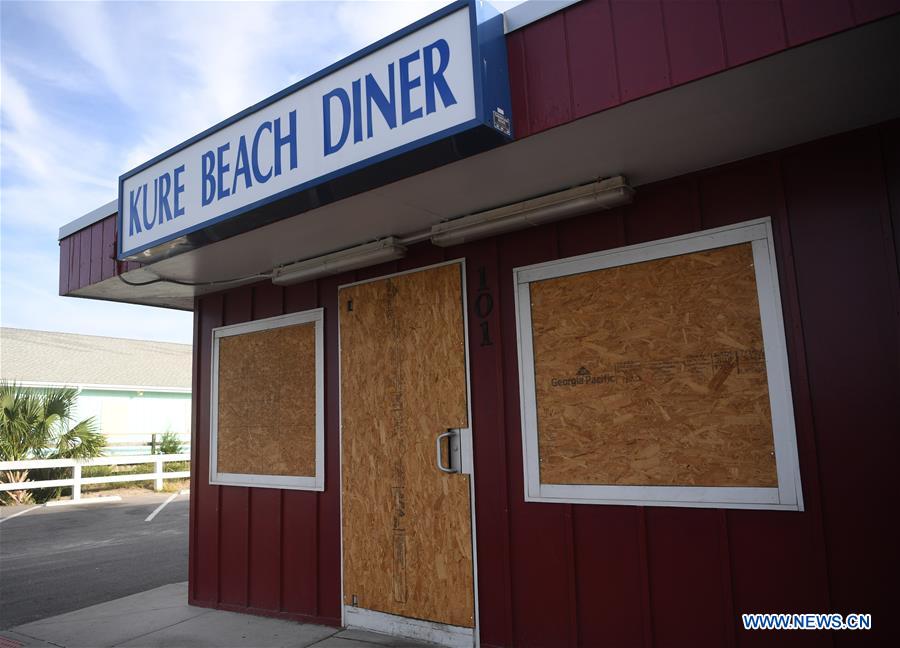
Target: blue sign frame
column 483, row 132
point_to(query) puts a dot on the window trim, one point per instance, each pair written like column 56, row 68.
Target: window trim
column 788, row 494
column 309, row 483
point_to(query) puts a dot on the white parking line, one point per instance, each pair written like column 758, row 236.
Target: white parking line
column 161, row 507
column 10, row 517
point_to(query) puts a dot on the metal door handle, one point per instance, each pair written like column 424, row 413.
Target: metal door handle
column 437, row 443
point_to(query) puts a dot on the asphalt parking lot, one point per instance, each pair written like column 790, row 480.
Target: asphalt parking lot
column 53, row 560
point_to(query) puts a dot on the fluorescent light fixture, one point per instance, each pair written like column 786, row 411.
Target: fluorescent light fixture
column 604, row 194
column 387, row 249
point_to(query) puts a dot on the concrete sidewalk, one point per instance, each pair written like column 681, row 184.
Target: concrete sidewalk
column 161, row 617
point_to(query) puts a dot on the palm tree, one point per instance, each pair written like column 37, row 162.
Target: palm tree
column 38, row 424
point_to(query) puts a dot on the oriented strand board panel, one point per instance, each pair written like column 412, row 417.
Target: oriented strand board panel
column 654, row 374
column 406, row 526
column 267, row 402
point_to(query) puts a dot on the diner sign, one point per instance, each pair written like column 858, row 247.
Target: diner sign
column 435, row 79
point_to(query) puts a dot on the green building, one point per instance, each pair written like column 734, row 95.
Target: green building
column 137, row 389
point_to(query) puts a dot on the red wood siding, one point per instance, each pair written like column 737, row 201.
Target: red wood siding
column 267, row 551
column 597, row 54
column 584, row 575
column 64, row 260
column 89, row 256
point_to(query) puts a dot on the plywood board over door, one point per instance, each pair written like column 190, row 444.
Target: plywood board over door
column 407, row 535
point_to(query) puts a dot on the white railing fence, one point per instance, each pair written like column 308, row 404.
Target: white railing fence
column 77, row 481
column 139, row 443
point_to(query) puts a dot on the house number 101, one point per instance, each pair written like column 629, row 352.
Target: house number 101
column 484, row 306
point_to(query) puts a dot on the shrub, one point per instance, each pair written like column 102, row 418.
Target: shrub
column 169, row 444
column 38, row 424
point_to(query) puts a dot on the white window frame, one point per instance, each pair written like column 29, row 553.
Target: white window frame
column 314, row 483
column 788, row 494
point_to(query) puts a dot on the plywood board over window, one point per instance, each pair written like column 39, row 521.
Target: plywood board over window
column 267, row 403
column 657, row 374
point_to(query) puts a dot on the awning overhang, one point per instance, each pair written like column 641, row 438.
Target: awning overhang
column 833, row 85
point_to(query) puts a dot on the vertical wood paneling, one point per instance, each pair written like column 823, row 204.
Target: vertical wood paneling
column 84, row 259
column 683, row 547
column 806, row 20
column 547, row 73
column 866, row 10
column 890, row 151
column 329, row 521
column 640, row 47
column 300, row 552
column 234, row 505
column 800, row 386
column 518, row 84
column 373, row 272
column 65, row 250
column 694, row 36
column 597, row 54
column 300, row 525
column 761, row 578
column 591, row 57
column 662, row 210
column 847, row 288
column 204, row 497
column 264, row 568
column 193, row 546
column 608, row 572
column 776, row 564
column 729, row 622
column 486, row 344
column 234, row 511
column 538, row 539
column 598, row 231
column 86, row 256
column 753, row 29
column 74, row 261
column 96, row 252
column 607, row 557
column 737, row 192
column 108, row 264
column 422, row 255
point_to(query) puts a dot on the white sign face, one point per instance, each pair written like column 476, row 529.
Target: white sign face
column 399, row 97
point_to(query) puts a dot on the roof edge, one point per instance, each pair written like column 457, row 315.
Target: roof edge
column 41, row 384
column 528, row 12
column 93, row 335
column 89, row 219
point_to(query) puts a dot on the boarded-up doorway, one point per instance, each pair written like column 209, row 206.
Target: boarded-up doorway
column 406, row 493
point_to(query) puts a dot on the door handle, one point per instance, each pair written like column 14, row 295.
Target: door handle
column 452, row 437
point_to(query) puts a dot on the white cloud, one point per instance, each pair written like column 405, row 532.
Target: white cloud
column 60, row 173
column 91, row 34
column 16, row 107
column 373, row 20
column 30, row 300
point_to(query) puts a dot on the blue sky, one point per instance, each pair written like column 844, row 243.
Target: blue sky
column 90, row 90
